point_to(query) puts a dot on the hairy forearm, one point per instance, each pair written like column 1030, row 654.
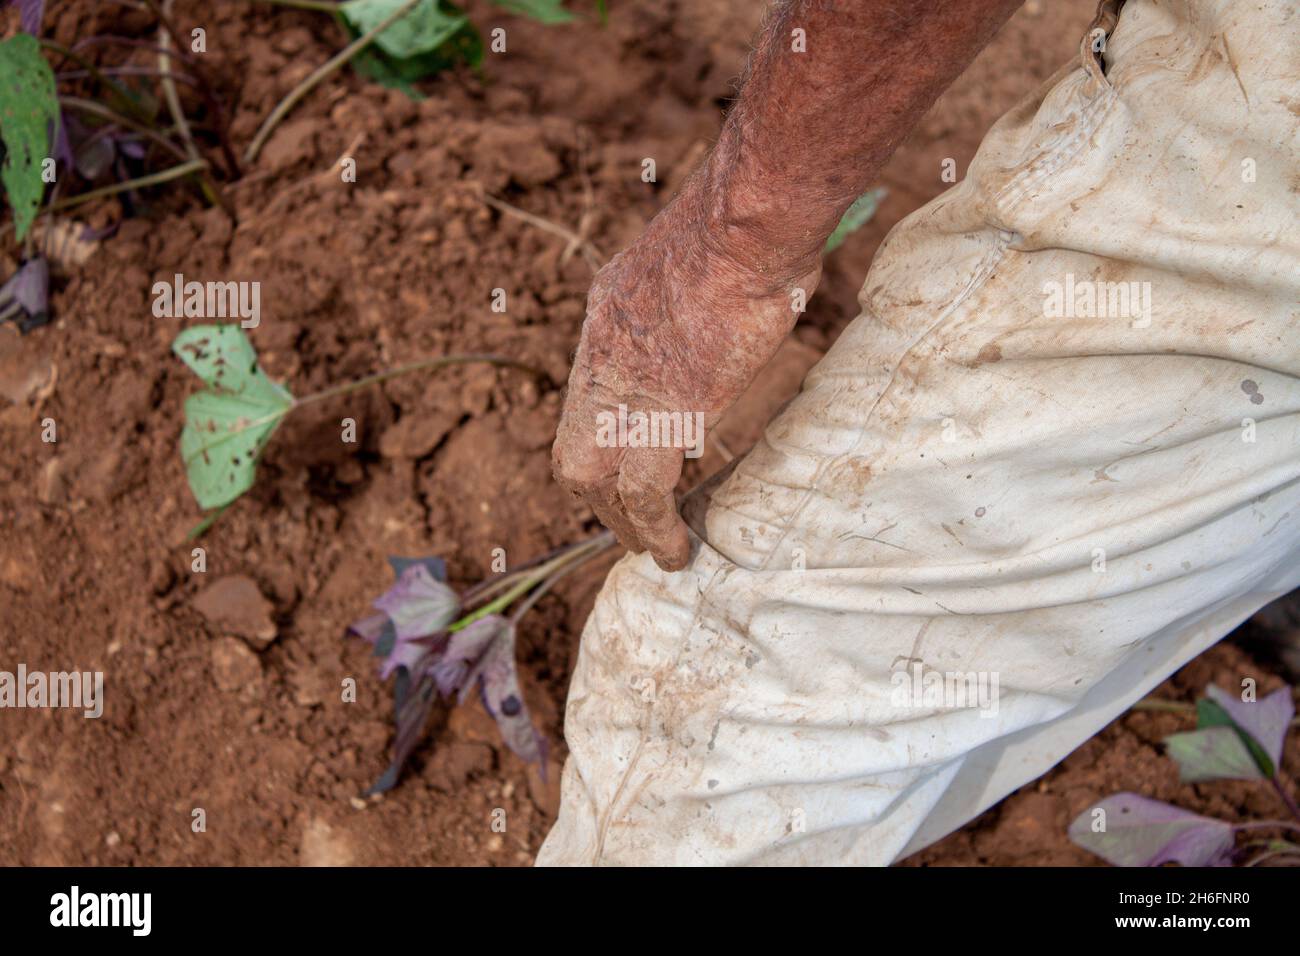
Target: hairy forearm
column 811, row 130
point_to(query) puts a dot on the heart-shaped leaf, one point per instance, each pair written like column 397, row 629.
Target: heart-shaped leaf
column 419, row 604
column 29, row 109
column 1263, row 722
column 1132, row 830
column 227, row 426
column 1212, row 753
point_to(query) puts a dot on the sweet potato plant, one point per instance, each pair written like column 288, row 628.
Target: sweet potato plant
column 1236, row 738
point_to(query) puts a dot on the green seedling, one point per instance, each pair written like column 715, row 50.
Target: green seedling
column 228, row 424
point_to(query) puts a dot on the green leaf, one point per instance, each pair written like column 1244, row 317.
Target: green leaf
column 28, row 107
column 857, row 216
column 1213, row 753
column 423, row 30
column 1262, row 723
column 227, row 425
column 543, row 11
column 429, row 39
column 1210, row 713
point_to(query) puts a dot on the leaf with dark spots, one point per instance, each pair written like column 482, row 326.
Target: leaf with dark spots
column 235, row 415
column 498, row 679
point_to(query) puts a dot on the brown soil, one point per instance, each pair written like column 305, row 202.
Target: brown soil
column 240, row 714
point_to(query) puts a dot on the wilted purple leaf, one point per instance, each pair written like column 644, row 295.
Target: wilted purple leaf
column 499, row 679
column 1137, row 831
column 1265, row 720
column 412, row 636
column 435, row 566
column 416, row 655
column 94, row 155
column 418, row 604
column 25, row 298
column 464, row 649
column 414, row 699
column 1212, row 753
column 373, row 628
column 30, row 14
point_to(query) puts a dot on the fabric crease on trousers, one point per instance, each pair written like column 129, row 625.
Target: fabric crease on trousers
column 1055, row 457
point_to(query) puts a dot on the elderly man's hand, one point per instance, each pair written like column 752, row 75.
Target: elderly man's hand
column 677, row 323
column 684, row 319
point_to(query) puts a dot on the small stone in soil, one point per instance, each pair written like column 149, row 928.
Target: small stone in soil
column 234, row 666
column 235, row 606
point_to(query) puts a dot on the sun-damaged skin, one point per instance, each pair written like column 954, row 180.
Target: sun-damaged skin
column 684, row 318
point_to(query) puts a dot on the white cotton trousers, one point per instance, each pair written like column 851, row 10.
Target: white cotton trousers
column 1055, row 457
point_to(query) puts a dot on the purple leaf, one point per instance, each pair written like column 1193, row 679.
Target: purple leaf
column 464, row 649
column 418, row 604
column 435, row 566
column 131, row 148
column 30, row 13
column 372, row 628
column 414, row 701
column 411, row 634
column 1132, row 830
column 1266, row 720
column 26, row 296
column 499, row 678
column 63, row 140
column 1212, row 753
column 94, row 155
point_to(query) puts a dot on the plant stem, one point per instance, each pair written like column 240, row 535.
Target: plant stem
column 306, row 86
column 103, row 112
column 348, row 387
column 126, row 71
column 1267, row 825
column 1270, row 854
column 1276, row 780
column 489, row 586
column 164, row 15
column 210, row 191
column 1164, row 706
column 96, row 73
column 208, row 521
column 506, row 599
column 153, row 179
column 210, row 100
column 591, row 549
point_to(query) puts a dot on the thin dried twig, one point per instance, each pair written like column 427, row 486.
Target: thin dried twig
column 340, row 59
column 593, row 256
column 313, row 179
column 210, row 189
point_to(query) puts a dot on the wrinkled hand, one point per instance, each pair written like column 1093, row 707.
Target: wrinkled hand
column 675, row 324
